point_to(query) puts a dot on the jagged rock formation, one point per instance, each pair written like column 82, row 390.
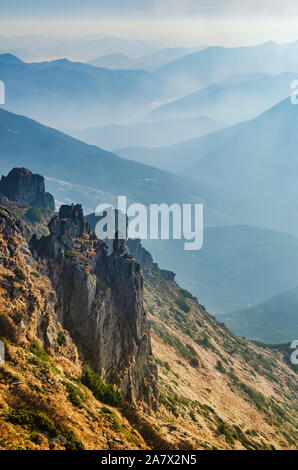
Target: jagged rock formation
column 23, row 186
column 100, row 302
column 42, row 365
column 217, row 390
column 30, row 310
column 64, row 228
column 145, row 260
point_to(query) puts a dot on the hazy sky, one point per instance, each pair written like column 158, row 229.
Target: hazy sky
column 190, row 22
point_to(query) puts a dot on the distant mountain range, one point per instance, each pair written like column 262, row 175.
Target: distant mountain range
column 25, row 142
column 237, row 267
column 69, row 94
column 146, row 133
column 148, row 62
column 77, row 47
column 215, row 64
column 238, row 98
column 250, row 167
column 272, row 321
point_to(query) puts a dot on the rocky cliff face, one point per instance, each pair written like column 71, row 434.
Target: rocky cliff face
column 100, row 302
column 144, row 258
column 27, row 301
column 23, row 186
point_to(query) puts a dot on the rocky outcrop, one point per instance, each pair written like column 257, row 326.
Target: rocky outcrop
column 64, row 228
column 144, row 258
column 23, row 186
column 27, row 302
column 100, row 303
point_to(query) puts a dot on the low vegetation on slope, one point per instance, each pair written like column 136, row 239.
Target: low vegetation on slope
column 44, row 402
column 218, row 390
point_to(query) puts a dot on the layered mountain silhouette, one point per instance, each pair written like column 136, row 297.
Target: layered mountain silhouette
column 62, row 93
column 79, row 47
column 235, row 99
column 238, row 266
column 147, row 62
column 151, row 134
column 215, row 64
column 249, row 167
column 272, row 321
column 25, row 142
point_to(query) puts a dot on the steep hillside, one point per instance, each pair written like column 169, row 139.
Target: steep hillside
column 221, row 391
column 43, row 403
column 66, row 306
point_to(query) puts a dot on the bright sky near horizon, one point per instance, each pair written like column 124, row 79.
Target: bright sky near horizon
column 175, row 22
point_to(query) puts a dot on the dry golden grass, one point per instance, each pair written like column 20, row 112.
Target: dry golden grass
column 194, row 389
column 28, row 384
column 248, row 400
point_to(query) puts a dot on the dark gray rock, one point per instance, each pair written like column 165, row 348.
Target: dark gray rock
column 100, row 303
column 21, row 185
column 64, row 228
column 144, row 258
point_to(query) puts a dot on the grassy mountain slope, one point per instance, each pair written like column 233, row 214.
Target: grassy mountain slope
column 217, row 390
column 221, row 391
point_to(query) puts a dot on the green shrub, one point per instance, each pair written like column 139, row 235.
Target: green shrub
column 186, row 294
column 86, row 246
column 41, row 358
column 222, row 428
column 72, row 442
column 194, row 362
column 169, row 403
column 220, row 367
column 38, row 351
column 69, row 254
column 106, row 393
column 256, row 397
column 186, row 351
column 182, row 304
column 61, row 339
column 20, row 274
column 35, row 420
column 163, row 364
column 105, row 410
column 33, row 214
column 75, row 395
column 193, row 416
column 204, row 341
column 35, row 274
